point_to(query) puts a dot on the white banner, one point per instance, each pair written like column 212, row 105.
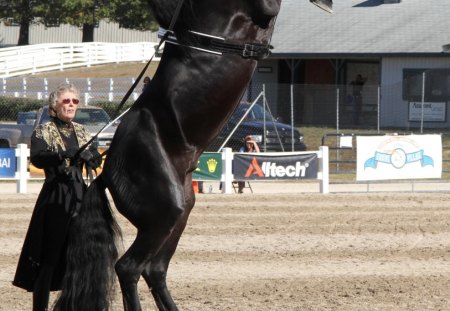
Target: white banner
column 398, row 157
column 432, row 112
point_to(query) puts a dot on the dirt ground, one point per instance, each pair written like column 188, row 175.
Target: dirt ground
column 288, row 251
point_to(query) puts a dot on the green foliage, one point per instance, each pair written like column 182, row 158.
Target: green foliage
column 110, row 107
column 134, row 14
column 20, row 10
column 80, row 12
column 10, row 107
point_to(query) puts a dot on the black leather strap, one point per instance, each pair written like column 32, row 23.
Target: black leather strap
column 218, row 45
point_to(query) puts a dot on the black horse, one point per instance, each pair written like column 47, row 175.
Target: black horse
column 148, row 170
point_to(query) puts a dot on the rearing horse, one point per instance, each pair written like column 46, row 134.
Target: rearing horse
column 148, row 170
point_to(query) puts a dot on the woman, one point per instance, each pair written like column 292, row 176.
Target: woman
column 249, row 146
column 54, row 148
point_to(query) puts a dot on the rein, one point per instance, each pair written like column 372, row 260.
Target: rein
column 206, row 43
column 138, row 79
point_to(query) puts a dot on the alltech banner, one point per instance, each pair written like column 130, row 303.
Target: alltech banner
column 209, row 167
column 399, row 157
column 251, row 166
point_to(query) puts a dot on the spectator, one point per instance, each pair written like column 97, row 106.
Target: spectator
column 249, row 146
column 146, row 83
column 357, row 84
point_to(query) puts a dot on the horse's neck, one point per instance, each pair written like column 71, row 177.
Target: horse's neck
column 200, row 92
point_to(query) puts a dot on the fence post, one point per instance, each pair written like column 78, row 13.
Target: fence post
column 111, row 90
column 24, row 87
column 46, row 86
column 22, row 175
column 324, row 170
column 227, row 172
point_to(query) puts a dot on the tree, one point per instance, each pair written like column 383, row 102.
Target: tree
column 133, row 14
column 85, row 14
column 23, row 13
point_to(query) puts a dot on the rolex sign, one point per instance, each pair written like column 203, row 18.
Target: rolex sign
column 209, row 167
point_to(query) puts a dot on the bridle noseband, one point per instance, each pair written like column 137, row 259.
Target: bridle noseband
column 219, row 46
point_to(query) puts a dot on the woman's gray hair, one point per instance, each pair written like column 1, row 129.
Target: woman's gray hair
column 53, row 97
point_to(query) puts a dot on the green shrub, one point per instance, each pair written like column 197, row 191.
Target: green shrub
column 11, row 106
column 110, row 107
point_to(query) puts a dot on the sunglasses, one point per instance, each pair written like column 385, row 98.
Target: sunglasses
column 67, row 101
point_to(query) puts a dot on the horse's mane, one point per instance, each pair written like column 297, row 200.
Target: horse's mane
column 165, row 14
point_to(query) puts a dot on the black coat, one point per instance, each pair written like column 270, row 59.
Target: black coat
column 57, row 202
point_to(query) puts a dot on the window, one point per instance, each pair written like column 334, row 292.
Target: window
column 437, row 85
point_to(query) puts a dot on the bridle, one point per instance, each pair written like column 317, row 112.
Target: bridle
column 218, row 45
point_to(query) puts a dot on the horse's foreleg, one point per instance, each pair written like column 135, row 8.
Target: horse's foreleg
column 128, row 269
column 156, row 270
column 131, row 265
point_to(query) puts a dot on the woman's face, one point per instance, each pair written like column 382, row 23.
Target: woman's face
column 66, row 106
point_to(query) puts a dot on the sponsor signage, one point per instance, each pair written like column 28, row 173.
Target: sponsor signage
column 7, row 162
column 253, row 166
column 399, row 157
column 432, row 112
column 209, row 167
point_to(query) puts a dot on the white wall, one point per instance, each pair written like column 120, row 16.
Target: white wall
column 106, row 32
column 267, row 74
column 394, row 110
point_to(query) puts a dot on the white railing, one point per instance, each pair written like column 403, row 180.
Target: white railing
column 22, row 175
column 36, row 58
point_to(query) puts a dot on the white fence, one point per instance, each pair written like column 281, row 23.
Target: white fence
column 91, row 89
column 32, row 59
column 22, row 176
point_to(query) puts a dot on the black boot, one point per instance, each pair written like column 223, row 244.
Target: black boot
column 41, row 290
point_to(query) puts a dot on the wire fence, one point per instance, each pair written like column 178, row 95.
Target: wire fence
column 276, row 114
column 376, row 107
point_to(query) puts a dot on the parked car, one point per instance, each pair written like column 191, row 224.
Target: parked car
column 93, row 118
column 268, row 132
column 28, row 117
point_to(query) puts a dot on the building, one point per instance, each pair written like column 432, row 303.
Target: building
column 104, row 32
column 396, row 44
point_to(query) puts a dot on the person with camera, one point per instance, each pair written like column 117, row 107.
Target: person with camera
column 55, row 147
column 250, row 145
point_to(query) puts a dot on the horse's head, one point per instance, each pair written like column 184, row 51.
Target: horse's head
column 263, row 11
column 225, row 18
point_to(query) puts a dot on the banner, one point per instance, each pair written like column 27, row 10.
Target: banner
column 209, row 167
column 399, row 157
column 7, row 162
column 257, row 166
column 431, row 112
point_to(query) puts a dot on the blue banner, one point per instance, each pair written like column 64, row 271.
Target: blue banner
column 7, row 162
column 399, row 158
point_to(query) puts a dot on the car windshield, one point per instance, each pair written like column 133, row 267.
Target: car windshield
column 257, row 113
column 92, row 117
column 85, row 116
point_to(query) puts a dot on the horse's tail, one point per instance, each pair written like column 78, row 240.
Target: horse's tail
column 91, row 254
